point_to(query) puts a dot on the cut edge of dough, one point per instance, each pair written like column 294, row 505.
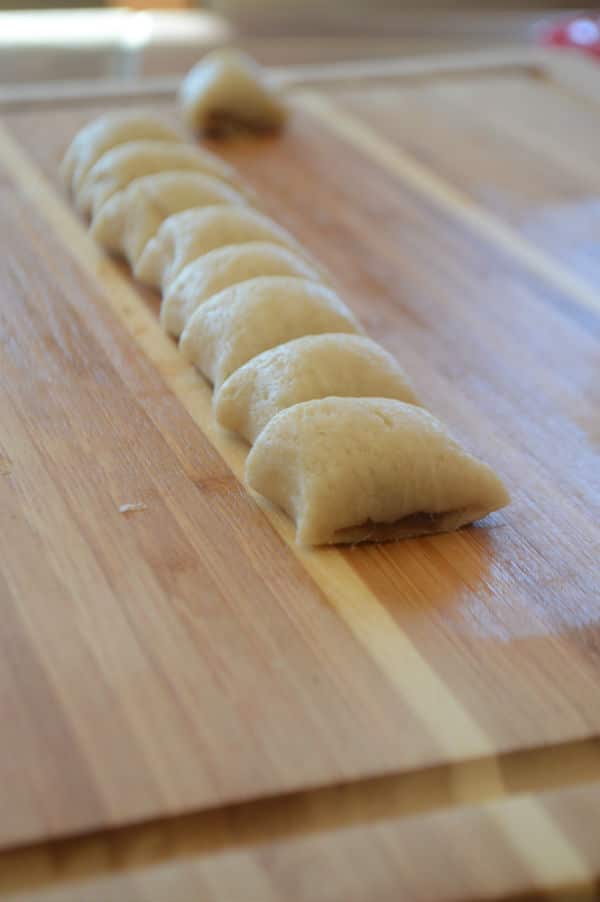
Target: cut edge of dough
column 420, row 523
column 261, row 468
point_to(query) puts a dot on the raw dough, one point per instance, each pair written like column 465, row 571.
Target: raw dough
column 227, row 90
column 315, row 366
column 358, row 469
column 118, row 167
column 130, row 218
column 246, row 319
column 221, row 268
column 186, row 236
column 107, row 132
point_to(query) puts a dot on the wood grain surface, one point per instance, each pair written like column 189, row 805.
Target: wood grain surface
column 189, row 655
column 527, row 847
column 139, row 854
column 501, row 142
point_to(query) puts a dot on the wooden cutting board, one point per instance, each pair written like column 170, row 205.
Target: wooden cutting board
column 188, row 655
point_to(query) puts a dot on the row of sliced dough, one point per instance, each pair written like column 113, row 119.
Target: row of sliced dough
column 243, row 321
column 104, row 133
column 339, row 441
column 221, row 268
column 111, row 152
column 188, row 236
column 118, row 167
column 304, row 369
column 132, row 217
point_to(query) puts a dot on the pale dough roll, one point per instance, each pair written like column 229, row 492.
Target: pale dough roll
column 221, row 268
column 118, row 167
column 314, row 366
column 369, row 469
column 130, row 218
column 186, row 236
column 246, row 319
column 106, row 132
column 228, row 89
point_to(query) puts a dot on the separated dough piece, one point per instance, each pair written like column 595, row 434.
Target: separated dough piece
column 246, row 319
column 220, row 269
column 104, row 133
column 121, row 165
column 186, row 236
column 315, row 366
column 228, row 89
column 130, row 218
column 369, row 469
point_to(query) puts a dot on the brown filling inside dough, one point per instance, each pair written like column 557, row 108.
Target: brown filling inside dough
column 417, row 524
column 221, row 123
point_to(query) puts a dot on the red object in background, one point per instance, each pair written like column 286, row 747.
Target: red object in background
column 579, row 33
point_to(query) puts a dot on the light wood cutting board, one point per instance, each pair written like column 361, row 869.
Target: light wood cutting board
column 189, row 655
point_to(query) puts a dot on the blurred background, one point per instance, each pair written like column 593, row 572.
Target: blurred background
column 39, row 42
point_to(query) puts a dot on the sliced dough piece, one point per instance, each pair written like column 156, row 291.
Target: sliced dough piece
column 107, row 132
column 221, row 268
column 186, row 236
column 246, row 319
column 369, row 469
column 130, row 218
column 118, row 167
column 314, row 366
column 226, row 90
